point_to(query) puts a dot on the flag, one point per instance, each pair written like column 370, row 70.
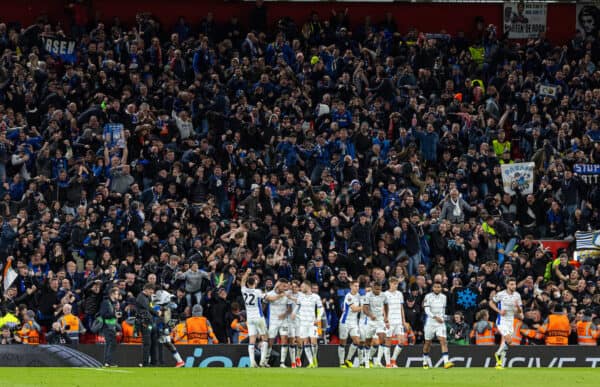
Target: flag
column 587, row 240
column 8, row 274
column 63, row 48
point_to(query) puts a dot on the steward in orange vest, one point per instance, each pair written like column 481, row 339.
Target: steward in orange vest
column 72, row 322
column 198, row 328
column 30, row 330
column 556, row 329
column 178, row 335
column 587, row 333
column 516, row 337
column 128, row 332
column 484, row 331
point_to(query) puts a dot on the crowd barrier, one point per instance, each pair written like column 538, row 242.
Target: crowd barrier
column 201, row 356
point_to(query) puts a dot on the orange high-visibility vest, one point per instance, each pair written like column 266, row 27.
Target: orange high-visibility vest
column 516, row 337
column 199, row 330
column 29, row 335
column 242, row 330
column 178, row 334
column 485, row 338
column 587, row 334
column 408, row 338
column 72, row 321
column 129, row 334
column 556, row 330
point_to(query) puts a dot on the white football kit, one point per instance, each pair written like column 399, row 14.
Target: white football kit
column 254, row 313
column 277, row 308
column 309, row 307
column 395, row 302
column 376, row 304
column 349, row 319
column 507, row 302
column 435, row 306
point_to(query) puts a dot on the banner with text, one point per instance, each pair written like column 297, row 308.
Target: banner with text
column 524, row 20
column 518, row 175
column 62, row 48
column 236, row 356
column 590, row 173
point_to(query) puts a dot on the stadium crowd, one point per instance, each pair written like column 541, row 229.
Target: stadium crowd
column 308, row 150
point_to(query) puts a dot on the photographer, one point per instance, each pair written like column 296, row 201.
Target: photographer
column 58, row 335
column 145, row 320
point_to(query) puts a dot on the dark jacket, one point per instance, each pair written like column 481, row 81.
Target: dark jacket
column 144, row 312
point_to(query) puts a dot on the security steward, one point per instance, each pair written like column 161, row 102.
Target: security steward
column 198, row 328
column 128, row 330
column 587, row 333
column 556, row 329
column 145, row 318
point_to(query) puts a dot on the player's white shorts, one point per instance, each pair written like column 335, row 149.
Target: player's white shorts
column 292, row 327
column 257, row 327
column 395, row 330
column 347, row 330
column 434, row 329
column 505, row 327
column 373, row 328
column 306, row 330
column 278, row 327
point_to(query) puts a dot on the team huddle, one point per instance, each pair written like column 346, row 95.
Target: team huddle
column 374, row 323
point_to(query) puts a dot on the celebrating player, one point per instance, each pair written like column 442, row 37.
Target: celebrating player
column 279, row 309
column 349, row 326
column 507, row 304
column 373, row 307
column 435, row 308
column 255, row 319
column 294, row 326
column 394, row 322
column 309, row 306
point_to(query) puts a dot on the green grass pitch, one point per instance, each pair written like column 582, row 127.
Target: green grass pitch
column 218, row 377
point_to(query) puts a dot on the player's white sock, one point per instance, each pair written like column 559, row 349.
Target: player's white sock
column 177, row 357
column 315, row 350
column 379, row 354
column 361, row 354
column 351, row 352
column 366, row 356
column 445, row 357
column 502, row 350
column 373, row 351
column 386, row 354
column 341, row 353
column 397, row 350
column 264, row 348
column 283, row 355
column 251, row 354
column 308, row 353
column 426, row 359
column 293, row 353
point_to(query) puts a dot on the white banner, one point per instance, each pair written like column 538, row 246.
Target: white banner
column 520, row 174
column 523, row 20
column 587, row 19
